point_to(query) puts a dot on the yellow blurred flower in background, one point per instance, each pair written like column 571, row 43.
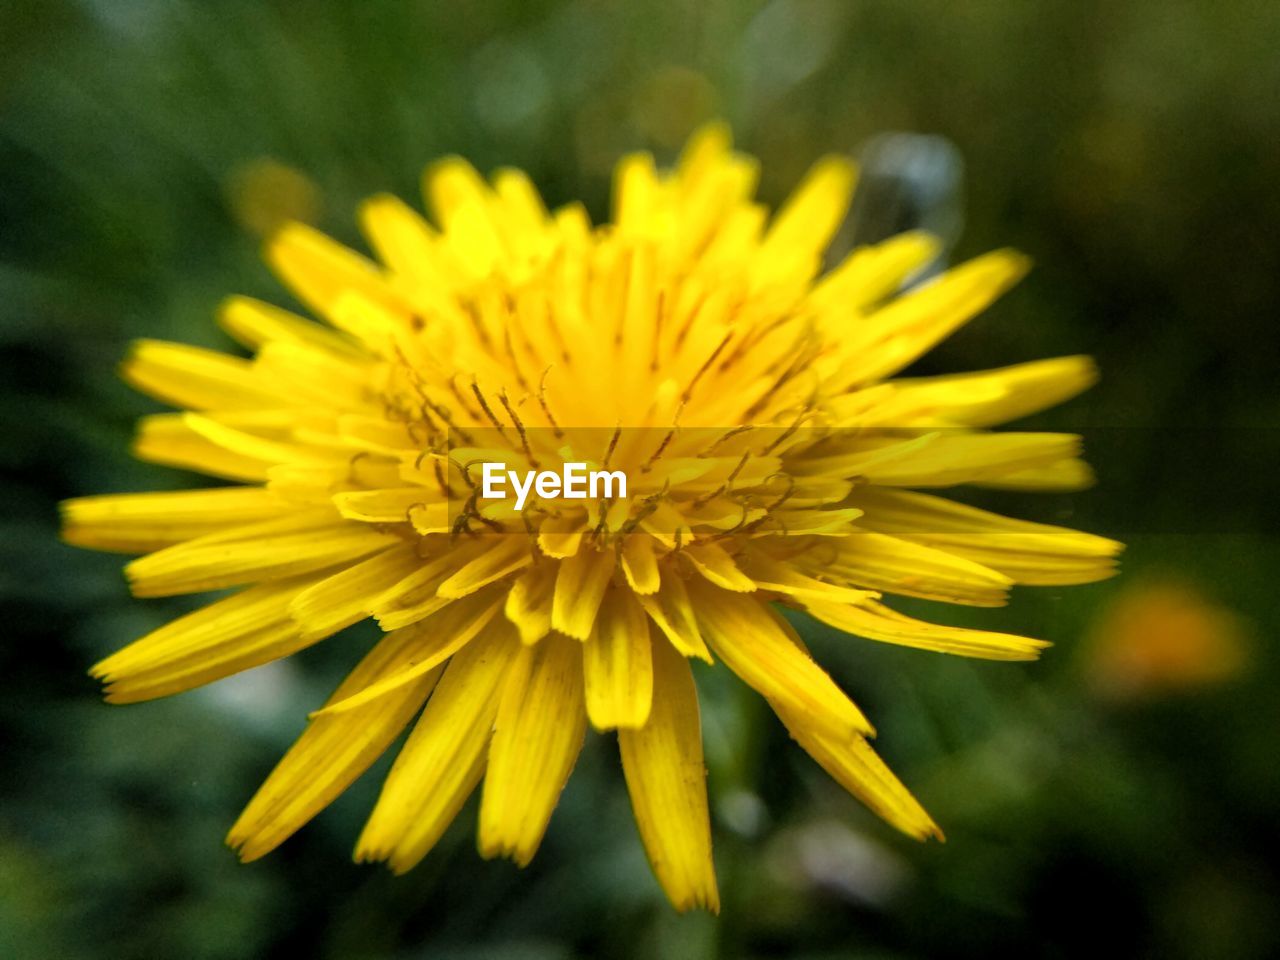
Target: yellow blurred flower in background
column 265, row 194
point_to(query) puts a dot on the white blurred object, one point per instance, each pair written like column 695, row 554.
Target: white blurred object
column 262, row 698
column 830, row 856
column 907, row 181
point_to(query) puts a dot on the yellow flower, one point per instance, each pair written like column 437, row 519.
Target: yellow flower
column 691, row 344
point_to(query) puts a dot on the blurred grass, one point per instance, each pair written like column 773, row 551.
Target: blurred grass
column 1128, row 147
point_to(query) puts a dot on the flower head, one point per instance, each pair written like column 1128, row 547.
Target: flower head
column 694, row 345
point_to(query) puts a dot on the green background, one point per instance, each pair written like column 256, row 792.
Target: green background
column 1129, row 147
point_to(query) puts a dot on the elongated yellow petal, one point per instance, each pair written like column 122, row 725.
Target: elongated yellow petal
column 198, row 379
column 618, row 664
column 770, row 574
column 415, row 596
column 580, row 587
column 944, row 459
column 854, row 765
column 396, row 505
column 893, row 336
column 333, row 751
column 528, row 604
column 673, row 612
column 256, row 324
column 869, row 275
column 995, row 396
column 639, row 564
column 316, row 376
column 461, row 202
column 716, row 565
column 536, row 739
column 217, row 561
column 248, row 443
column 754, row 645
column 402, row 239
column 439, row 637
column 505, row 556
column 1034, row 553
column 347, row 596
column 882, row 562
column 809, row 219
column 665, row 775
column 1070, row 473
column 878, row 622
column 167, row 438
column 319, row 270
column 444, row 757
column 635, row 187
column 142, row 522
column 233, row 634
column 560, row 537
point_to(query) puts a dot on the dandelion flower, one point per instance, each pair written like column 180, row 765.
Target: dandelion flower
column 695, row 344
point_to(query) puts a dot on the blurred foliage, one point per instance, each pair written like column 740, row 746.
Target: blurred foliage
column 1128, row 146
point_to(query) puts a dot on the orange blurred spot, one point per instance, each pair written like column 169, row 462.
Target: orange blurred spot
column 1163, row 637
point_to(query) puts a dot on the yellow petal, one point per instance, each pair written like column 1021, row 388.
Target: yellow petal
column 635, row 192
column 878, row 622
column 781, row 577
column 639, row 564
column 711, row 560
column 249, row 553
column 665, row 776
column 505, row 556
column 809, row 219
column 397, row 505
column 142, row 522
column 536, row 739
column 868, row 275
column 618, row 664
column 348, row 596
column 402, row 239
column 881, row 562
column 233, row 634
column 951, row 458
column 887, row 340
column 247, row 443
column 333, row 751
column 167, row 438
column 854, row 765
column 196, row 378
column 943, row 458
column 528, row 603
column 560, row 537
column 1033, row 553
column 460, row 201
column 318, row 377
column 755, row 646
column 1068, row 474
column 255, row 324
column 580, row 587
column 996, row 396
column 319, row 270
column 439, row 637
column 444, row 757
column 672, row 611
